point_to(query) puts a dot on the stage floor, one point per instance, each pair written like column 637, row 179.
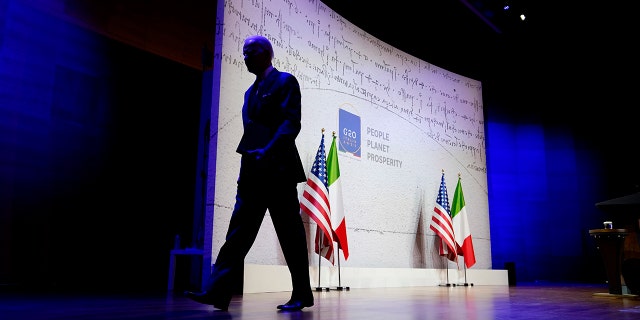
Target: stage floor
column 526, row 301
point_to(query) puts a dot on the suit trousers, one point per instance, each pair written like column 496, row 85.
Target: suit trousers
column 254, row 196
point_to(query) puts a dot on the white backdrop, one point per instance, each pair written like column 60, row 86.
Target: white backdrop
column 416, row 120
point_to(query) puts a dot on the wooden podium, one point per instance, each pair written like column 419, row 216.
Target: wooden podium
column 610, row 243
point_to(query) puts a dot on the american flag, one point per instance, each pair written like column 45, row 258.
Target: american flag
column 315, row 203
column 442, row 225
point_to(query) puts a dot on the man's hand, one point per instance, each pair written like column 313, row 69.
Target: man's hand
column 257, row 154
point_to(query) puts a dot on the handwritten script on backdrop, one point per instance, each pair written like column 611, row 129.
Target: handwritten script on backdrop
column 326, row 52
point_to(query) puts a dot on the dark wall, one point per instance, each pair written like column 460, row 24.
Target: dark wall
column 558, row 132
column 98, row 161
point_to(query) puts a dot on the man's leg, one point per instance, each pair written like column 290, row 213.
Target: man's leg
column 244, row 225
column 285, row 215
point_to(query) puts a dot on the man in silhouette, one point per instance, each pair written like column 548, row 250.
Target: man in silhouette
column 269, row 173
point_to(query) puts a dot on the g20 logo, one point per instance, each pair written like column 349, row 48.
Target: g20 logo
column 349, row 125
column 349, row 133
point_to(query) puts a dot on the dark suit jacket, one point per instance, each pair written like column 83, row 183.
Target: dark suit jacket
column 271, row 115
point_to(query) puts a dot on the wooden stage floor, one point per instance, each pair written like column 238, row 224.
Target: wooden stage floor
column 527, row 301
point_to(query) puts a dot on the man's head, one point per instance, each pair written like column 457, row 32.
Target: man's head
column 257, row 52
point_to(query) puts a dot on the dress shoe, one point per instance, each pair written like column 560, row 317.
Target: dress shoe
column 205, row 297
column 295, row 305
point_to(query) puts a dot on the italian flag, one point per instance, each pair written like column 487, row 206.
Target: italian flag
column 338, row 221
column 461, row 227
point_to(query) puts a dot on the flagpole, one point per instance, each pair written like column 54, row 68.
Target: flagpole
column 442, row 225
column 466, row 284
column 340, row 287
column 461, row 230
column 313, row 203
column 447, row 271
column 320, row 288
column 335, row 207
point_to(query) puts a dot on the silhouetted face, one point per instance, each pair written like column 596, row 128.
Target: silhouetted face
column 256, row 57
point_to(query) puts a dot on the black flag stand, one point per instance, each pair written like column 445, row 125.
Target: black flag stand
column 320, row 288
column 340, row 287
